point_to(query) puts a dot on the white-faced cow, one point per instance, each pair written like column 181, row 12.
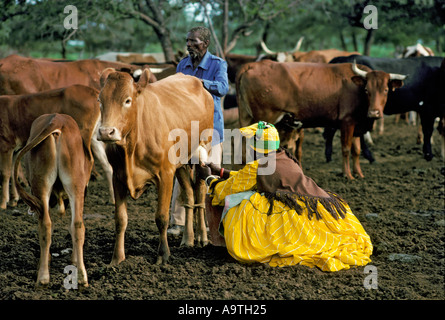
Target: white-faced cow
column 139, row 122
column 56, row 159
column 317, row 95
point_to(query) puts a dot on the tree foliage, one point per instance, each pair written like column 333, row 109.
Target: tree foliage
column 37, row 27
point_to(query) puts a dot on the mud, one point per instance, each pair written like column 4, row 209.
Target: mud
column 400, row 203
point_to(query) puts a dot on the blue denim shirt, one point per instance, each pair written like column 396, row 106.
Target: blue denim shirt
column 213, row 70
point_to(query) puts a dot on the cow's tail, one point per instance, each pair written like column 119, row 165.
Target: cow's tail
column 244, row 111
column 32, row 201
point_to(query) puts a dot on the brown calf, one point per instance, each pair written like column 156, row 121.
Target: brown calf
column 17, row 113
column 56, row 159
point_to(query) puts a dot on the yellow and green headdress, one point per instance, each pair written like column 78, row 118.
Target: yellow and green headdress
column 265, row 136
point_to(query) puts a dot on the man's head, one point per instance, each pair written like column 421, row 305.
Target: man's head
column 198, row 40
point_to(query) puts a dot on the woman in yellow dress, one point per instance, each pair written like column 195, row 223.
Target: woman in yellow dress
column 273, row 213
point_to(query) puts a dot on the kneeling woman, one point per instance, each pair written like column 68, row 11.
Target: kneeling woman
column 282, row 217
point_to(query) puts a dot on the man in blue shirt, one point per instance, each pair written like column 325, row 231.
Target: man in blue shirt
column 212, row 71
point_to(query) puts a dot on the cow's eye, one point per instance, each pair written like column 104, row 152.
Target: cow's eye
column 127, row 103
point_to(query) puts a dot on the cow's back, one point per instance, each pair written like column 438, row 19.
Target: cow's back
column 20, row 75
column 189, row 101
column 80, row 102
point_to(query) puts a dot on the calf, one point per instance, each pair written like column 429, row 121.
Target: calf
column 17, row 112
column 56, row 159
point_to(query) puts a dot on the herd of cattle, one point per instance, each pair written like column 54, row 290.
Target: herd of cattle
column 57, row 117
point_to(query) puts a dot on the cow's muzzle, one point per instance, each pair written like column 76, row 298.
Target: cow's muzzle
column 375, row 114
column 109, row 134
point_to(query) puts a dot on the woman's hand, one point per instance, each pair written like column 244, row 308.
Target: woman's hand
column 215, row 169
column 202, row 171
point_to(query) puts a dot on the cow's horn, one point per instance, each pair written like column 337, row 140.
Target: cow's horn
column 297, row 47
column 395, row 76
column 357, row 71
column 266, row 49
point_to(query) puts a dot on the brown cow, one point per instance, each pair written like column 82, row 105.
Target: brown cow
column 57, row 159
column 322, row 56
column 139, row 121
column 316, row 94
column 135, row 58
column 318, row 56
column 19, row 75
column 17, row 112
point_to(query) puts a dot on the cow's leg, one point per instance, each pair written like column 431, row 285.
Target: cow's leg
column 427, row 122
column 165, row 186
column 15, row 194
column 346, row 143
column 121, row 220
column 97, row 147
column 381, row 122
column 356, row 157
column 366, row 152
column 299, row 145
column 6, row 170
column 328, row 135
column 76, row 194
column 60, row 204
column 200, row 194
column 45, row 243
column 184, row 179
column 78, row 236
column 42, row 178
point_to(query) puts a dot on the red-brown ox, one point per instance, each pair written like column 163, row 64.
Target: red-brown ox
column 19, row 75
column 57, row 159
column 322, row 56
column 318, row 56
column 17, row 113
column 136, row 58
column 318, row 95
column 236, row 61
column 139, row 124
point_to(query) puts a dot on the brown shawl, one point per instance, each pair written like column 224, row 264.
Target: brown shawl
column 289, row 184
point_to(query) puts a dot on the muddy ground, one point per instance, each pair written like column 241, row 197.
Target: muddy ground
column 400, row 203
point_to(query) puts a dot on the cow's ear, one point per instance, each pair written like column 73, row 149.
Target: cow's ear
column 395, row 84
column 144, row 79
column 104, row 75
column 359, row 81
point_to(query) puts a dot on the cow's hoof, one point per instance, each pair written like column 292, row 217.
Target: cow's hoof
column 203, row 243
column 13, row 203
column 188, row 244
column 161, row 260
column 42, row 283
column 428, row 157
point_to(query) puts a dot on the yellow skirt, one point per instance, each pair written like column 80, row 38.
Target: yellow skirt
column 285, row 238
